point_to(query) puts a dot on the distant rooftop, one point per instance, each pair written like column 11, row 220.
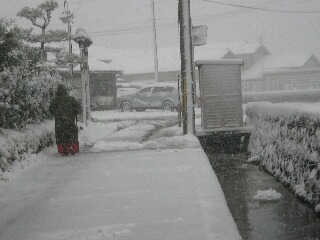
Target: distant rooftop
column 142, row 61
column 277, row 63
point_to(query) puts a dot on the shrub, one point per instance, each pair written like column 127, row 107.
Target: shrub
column 286, row 142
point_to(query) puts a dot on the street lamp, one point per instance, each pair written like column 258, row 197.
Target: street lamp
column 84, row 42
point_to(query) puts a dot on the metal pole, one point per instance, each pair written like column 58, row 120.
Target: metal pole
column 155, row 51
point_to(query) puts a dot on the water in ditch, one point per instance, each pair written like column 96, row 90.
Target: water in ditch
column 287, row 219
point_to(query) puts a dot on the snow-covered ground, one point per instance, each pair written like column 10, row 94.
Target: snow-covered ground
column 124, row 184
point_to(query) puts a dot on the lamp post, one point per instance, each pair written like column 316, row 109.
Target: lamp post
column 67, row 17
column 84, row 42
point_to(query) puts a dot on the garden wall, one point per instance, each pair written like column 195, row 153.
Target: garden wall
column 286, row 143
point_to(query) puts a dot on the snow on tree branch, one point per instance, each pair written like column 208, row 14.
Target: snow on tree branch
column 50, row 36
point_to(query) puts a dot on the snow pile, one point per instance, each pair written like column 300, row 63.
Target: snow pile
column 285, row 141
column 267, row 195
column 133, row 135
column 115, row 115
column 18, row 148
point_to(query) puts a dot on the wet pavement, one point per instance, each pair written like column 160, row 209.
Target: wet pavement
column 287, row 219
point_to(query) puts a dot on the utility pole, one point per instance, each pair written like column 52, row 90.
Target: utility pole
column 261, row 56
column 186, row 64
column 155, row 50
column 67, row 17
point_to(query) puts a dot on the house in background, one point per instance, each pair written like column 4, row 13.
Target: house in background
column 263, row 70
column 102, row 74
column 138, row 65
column 284, row 72
column 250, row 53
column 103, row 89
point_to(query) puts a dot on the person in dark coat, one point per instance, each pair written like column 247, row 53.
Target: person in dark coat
column 65, row 109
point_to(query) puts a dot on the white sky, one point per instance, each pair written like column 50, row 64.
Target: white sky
column 127, row 23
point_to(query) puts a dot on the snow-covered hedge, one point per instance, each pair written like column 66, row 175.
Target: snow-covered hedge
column 286, row 142
column 25, row 97
column 27, row 82
column 18, row 145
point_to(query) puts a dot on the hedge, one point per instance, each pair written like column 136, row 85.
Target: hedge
column 18, row 145
column 286, row 143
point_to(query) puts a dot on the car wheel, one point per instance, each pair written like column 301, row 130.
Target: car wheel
column 167, row 106
column 126, row 107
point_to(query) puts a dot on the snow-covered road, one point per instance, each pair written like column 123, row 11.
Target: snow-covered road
column 162, row 188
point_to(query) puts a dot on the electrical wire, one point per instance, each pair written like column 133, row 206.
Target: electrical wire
column 170, row 24
column 77, row 8
column 263, row 9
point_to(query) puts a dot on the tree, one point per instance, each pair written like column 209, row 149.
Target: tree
column 40, row 17
column 7, row 43
column 26, row 85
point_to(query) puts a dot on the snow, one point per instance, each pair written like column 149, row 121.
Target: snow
column 284, row 109
column 267, row 195
column 123, row 184
column 95, row 66
column 284, row 141
column 116, row 115
column 19, row 147
column 82, row 36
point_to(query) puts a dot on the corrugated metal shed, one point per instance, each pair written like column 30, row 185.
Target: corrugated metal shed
column 221, row 94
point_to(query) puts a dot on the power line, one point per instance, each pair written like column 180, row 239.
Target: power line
column 130, row 30
column 80, row 4
column 167, row 25
column 261, row 9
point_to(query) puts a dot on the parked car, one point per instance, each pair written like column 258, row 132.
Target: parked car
column 152, row 96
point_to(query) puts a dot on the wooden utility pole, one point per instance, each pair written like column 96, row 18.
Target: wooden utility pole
column 155, row 48
column 186, row 66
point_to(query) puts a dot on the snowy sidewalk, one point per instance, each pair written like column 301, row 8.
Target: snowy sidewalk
column 121, row 188
column 167, row 194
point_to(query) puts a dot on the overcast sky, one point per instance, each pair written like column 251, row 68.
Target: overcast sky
column 127, row 23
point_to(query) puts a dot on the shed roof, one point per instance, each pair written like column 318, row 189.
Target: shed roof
column 220, row 62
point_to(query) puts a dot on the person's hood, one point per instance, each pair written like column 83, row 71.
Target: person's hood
column 61, row 90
